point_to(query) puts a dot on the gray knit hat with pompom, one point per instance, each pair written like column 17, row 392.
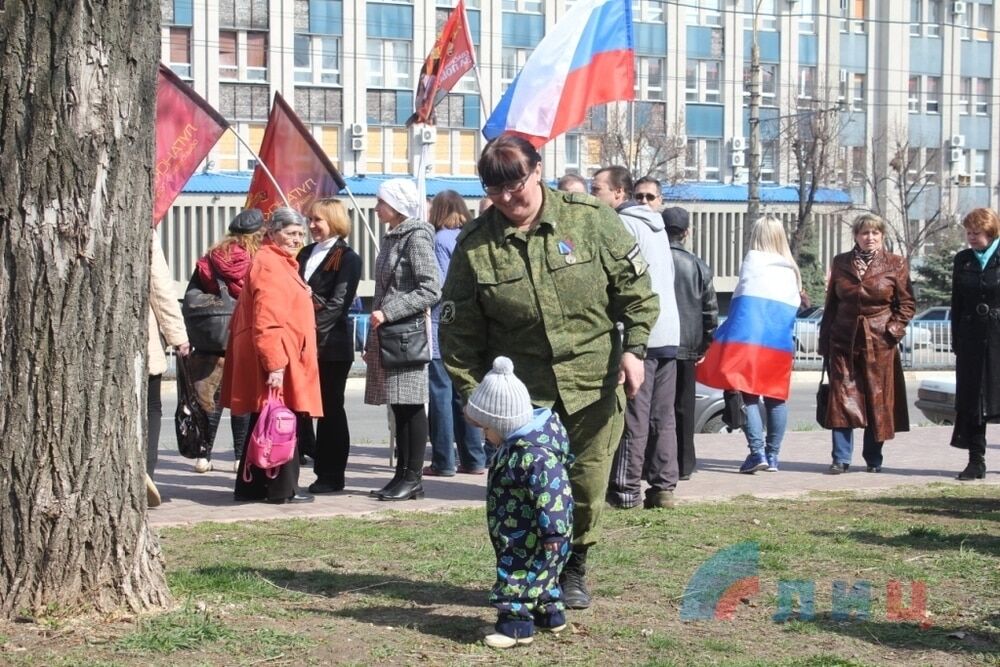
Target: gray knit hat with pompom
column 501, row 401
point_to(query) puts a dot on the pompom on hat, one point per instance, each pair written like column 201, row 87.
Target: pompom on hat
column 501, row 401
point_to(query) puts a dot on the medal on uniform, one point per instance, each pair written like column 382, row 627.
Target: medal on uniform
column 566, row 248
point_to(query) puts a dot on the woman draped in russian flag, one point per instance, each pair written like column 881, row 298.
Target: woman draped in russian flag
column 752, row 351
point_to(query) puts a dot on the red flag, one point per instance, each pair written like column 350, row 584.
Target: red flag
column 296, row 161
column 452, row 56
column 186, row 129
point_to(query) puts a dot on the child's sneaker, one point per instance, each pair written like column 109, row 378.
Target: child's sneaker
column 772, row 462
column 753, row 463
column 554, row 622
column 499, row 640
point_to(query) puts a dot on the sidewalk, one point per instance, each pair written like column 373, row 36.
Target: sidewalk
column 917, row 458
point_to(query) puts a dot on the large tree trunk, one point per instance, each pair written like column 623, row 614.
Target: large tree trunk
column 77, row 100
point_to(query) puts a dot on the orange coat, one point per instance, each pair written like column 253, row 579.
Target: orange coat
column 273, row 326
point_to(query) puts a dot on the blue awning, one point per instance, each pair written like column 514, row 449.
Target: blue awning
column 238, row 182
column 719, row 192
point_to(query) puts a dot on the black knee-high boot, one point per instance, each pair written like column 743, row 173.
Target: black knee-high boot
column 977, row 461
column 411, row 438
column 402, row 456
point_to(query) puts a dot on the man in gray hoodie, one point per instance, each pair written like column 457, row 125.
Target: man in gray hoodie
column 650, row 439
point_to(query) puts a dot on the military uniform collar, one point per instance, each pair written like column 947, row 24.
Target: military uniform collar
column 548, row 216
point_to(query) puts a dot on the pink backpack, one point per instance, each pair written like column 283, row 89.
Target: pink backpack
column 272, row 443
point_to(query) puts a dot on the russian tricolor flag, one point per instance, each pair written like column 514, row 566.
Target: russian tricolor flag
column 753, row 350
column 588, row 58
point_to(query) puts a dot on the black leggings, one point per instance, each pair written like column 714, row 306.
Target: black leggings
column 411, row 435
column 154, row 417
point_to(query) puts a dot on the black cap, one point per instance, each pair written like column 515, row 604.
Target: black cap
column 676, row 219
column 247, row 222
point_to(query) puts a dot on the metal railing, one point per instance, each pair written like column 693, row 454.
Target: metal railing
column 926, row 346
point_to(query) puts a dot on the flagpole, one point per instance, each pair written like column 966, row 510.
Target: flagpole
column 357, row 209
column 263, row 166
column 479, row 83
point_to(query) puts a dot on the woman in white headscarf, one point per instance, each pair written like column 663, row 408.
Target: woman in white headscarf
column 406, row 284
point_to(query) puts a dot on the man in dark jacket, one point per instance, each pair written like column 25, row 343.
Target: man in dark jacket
column 699, row 315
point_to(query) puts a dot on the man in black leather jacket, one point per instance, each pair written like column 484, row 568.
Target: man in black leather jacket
column 699, row 315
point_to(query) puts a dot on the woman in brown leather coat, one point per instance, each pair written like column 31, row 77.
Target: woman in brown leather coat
column 975, row 337
column 869, row 302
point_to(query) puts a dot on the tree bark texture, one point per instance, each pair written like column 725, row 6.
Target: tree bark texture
column 77, row 104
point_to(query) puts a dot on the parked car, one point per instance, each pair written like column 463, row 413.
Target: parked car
column 807, row 335
column 936, row 400
column 937, row 321
column 708, row 408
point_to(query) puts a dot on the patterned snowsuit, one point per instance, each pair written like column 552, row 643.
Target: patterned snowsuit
column 528, row 503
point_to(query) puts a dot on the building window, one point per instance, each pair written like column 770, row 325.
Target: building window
column 768, row 161
column 916, row 16
column 228, row 62
column 852, row 14
column 913, row 102
column 179, row 59
column 713, row 159
column 984, row 21
column 691, row 162
column 859, row 167
column 807, row 82
column 978, row 159
column 982, row 96
column 511, row 62
column 932, row 165
column 256, row 56
column 649, row 78
column 965, row 95
column 933, row 28
column 925, row 18
column 572, row 153
column 932, row 94
column 317, row 59
column 768, row 83
column 319, row 105
column 767, row 16
column 807, row 16
column 857, row 91
column 523, row 6
column 389, row 63
column 704, row 12
column 647, row 11
column 704, row 81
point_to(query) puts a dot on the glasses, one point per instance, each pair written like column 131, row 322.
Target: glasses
column 506, row 188
column 645, row 196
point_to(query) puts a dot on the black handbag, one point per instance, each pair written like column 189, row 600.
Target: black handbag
column 207, row 316
column 404, row 343
column 822, row 398
column 190, row 420
column 734, row 412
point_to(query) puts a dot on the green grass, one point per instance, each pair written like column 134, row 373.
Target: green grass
column 412, row 588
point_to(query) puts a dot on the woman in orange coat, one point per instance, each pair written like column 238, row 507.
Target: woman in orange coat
column 272, row 343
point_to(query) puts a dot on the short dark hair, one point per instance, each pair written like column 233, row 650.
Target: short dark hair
column 619, row 178
column 506, row 159
column 571, row 178
column 649, row 179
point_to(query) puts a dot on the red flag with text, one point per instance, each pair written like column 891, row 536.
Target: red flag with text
column 452, row 56
column 186, row 129
column 298, row 164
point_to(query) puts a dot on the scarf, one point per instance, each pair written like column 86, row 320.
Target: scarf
column 863, row 259
column 984, row 255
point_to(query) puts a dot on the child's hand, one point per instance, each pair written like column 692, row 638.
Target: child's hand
column 552, row 547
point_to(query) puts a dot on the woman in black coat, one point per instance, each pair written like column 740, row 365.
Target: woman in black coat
column 975, row 337
column 332, row 270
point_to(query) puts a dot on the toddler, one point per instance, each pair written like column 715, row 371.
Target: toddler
column 529, row 506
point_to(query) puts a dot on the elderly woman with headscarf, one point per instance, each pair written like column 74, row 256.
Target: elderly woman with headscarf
column 406, row 284
column 272, row 345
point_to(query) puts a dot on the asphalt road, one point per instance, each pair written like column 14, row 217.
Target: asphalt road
column 369, row 423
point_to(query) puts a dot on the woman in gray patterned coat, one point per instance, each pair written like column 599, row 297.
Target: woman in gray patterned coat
column 406, row 284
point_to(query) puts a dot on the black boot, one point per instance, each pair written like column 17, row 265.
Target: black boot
column 576, row 595
column 976, row 468
column 396, row 478
column 410, row 488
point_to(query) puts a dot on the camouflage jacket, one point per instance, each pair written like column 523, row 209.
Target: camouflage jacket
column 549, row 299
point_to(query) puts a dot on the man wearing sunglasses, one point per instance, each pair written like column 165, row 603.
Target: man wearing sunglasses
column 649, row 417
column 648, row 191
